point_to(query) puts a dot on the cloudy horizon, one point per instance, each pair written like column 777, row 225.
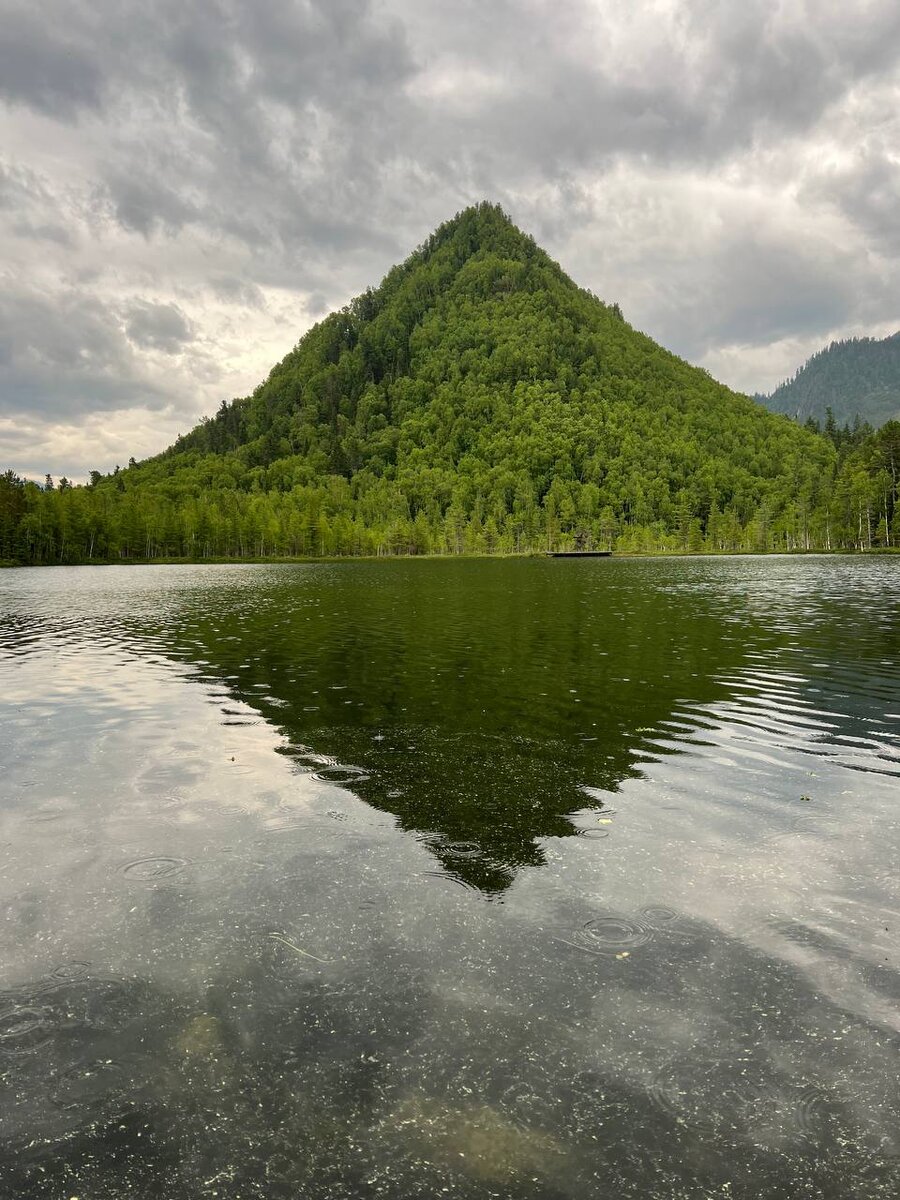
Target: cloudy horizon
column 185, row 189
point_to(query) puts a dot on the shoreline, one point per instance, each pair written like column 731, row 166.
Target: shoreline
column 289, row 560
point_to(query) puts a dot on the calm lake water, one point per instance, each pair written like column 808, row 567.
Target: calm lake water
column 479, row 878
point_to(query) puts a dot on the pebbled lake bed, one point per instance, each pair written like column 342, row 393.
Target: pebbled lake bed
column 520, row 879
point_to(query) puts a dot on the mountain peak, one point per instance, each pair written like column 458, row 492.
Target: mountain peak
column 482, row 223
column 481, row 229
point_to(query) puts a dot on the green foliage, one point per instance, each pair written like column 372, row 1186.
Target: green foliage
column 477, row 401
column 858, row 379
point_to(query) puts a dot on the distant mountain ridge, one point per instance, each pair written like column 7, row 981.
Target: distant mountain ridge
column 856, row 378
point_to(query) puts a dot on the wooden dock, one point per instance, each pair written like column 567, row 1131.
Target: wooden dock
column 579, row 553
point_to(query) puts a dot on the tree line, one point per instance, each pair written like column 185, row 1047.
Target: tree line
column 248, row 515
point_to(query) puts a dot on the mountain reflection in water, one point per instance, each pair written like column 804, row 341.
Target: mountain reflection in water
column 475, row 705
column 252, row 816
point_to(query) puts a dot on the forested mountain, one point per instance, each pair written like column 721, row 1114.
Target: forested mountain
column 476, row 401
column 856, row 379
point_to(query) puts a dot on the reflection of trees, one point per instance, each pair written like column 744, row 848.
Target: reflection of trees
column 477, row 699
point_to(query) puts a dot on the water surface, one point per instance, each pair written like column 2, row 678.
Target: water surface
column 478, row 878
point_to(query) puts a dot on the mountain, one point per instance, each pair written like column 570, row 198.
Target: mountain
column 481, row 397
column 477, row 400
column 857, row 378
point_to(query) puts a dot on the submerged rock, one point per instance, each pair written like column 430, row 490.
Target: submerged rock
column 476, row 1139
column 201, row 1037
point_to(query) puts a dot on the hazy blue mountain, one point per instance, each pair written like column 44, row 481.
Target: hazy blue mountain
column 859, row 377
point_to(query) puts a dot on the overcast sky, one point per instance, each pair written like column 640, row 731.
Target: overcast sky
column 186, row 185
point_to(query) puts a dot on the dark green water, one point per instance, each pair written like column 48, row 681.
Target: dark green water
column 409, row 879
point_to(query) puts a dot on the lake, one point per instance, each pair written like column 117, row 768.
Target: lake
column 402, row 879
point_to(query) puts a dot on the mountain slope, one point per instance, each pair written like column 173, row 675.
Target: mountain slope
column 479, row 381
column 855, row 378
column 476, row 401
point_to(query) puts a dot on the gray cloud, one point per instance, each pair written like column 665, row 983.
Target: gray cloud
column 42, row 232
column 580, row 82
column 32, row 211
column 234, row 290
column 867, row 192
column 66, row 353
column 142, row 203
column 158, row 327
column 23, row 191
column 758, row 287
column 49, row 65
column 192, row 184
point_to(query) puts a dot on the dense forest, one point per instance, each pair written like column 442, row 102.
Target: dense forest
column 477, row 401
column 857, row 380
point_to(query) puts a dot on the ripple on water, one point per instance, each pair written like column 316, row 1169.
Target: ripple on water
column 91, row 1086
column 110, row 1004
column 68, row 972
column 324, row 767
column 461, row 849
column 611, row 933
column 800, row 825
column 525, row 1107
column 449, row 877
column 153, row 869
column 754, row 1107
column 340, row 774
column 283, row 822
column 48, row 814
column 658, row 916
column 693, row 1092
column 805, row 1108
column 26, row 1029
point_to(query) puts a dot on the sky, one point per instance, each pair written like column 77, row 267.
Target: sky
column 187, row 185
